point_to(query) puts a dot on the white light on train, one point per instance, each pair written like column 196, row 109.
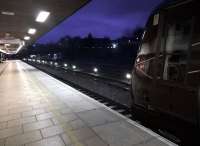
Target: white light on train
column 95, row 70
column 42, row 16
column 128, row 76
column 138, row 60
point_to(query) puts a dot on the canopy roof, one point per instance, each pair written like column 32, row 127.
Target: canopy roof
column 17, row 17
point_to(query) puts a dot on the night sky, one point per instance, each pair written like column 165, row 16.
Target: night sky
column 104, row 18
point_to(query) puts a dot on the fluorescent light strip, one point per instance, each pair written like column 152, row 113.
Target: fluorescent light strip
column 7, row 13
column 20, row 47
column 32, row 31
column 42, row 16
column 27, row 38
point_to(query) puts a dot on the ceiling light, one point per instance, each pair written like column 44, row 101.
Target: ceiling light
column 42, row 16
column 32, row 31
column 7, row 45
column 27, row 38
column 7, row 13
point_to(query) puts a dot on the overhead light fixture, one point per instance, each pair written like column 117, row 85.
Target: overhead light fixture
column 7, row 13
column 42, row 16
column 8, row 45
column 20, row 47
column 32, row 31
column 27, row 38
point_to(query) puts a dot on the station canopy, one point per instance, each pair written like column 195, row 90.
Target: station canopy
column 22, row 22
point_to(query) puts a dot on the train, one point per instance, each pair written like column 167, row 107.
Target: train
column 166, row 73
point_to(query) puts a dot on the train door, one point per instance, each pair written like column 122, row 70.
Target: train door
column 173, row 65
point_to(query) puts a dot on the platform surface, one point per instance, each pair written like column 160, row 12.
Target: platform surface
column 38, row 110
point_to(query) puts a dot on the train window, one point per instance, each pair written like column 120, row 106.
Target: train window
column 148, row 45
column 177, row 44
column 146, row 55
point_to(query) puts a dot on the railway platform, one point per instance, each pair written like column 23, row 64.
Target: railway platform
column 39, row 110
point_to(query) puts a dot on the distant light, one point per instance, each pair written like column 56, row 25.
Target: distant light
column 7, row 45
column 27, row 38
column 74, row 66
column 7, row 13
column 32, row 31
column 56, row 64
column 114, row 45
column 95, row 70
column 42, row 16
column 51, row 62
column 65, row 65
column 128, row 76
column 137, row 38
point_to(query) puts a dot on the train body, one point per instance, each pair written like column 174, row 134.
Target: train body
column 166, row 74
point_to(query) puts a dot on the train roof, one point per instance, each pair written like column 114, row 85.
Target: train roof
column 170, row 3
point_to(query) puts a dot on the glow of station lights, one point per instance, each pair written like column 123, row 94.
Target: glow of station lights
column 128, row 76
column 74, row 66
column 95, row 70
column 114, row 45
column 27, row 38
column 65, row 65
column 42, row 16
column 32, row 31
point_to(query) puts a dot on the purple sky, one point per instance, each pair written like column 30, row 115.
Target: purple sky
column 111, row 18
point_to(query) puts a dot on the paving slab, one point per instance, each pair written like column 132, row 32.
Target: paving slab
column 43, row 111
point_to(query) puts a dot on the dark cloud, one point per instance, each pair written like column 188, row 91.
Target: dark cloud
column 104, row 18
